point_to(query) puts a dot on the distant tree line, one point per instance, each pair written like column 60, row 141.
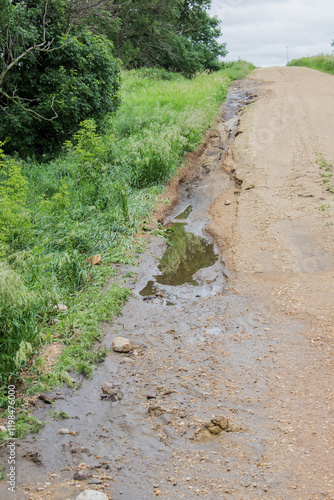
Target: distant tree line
column 60, row 60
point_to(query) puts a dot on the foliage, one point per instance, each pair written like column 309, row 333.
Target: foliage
column 24, row 423
column 19, row 310
column 321, row 62
column 58, row 415
column 178, row 35
column 57, row 66
column 77, row 82
column 15, row 223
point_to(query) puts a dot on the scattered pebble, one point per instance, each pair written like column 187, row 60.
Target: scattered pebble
column 121, row 344
column 92, row 495
column 82, row 475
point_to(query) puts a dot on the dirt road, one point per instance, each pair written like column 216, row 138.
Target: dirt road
column 251, row 341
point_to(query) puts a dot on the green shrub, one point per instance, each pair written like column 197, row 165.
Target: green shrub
column 78, row 82
column 321, row 62
column 15, row 221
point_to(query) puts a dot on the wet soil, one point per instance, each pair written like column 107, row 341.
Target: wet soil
column 228, row 391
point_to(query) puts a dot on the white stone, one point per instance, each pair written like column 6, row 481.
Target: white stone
column 61, row 307
column 2, row 428
column 63, row 431
column 92, row 495
column 121, row 344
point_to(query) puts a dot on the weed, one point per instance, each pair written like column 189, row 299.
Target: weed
column 327, row 172
column 24, row 423
column 58, row 415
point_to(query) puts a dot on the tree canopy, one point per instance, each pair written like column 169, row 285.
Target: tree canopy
column 178, row 35
column 54, row 73
column 60, row 59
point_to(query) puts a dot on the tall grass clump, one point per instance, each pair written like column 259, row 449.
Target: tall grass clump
column 91, row 200
column 321, row 62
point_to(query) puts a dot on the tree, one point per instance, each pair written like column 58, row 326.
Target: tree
column 54, row 71
column 178, row 35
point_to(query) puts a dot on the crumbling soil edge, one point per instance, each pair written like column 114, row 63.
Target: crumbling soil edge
column 192, row 160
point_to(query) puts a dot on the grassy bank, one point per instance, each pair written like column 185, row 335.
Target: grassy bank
column 321, row 62
column 91, row 200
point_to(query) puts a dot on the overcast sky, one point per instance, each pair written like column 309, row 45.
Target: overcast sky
column 260, row 31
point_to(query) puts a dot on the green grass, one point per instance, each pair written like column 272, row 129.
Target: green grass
column 321, row 62
column 326, row 173
column 90, row 200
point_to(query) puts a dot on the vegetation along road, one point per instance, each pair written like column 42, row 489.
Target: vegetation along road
column 227, row 389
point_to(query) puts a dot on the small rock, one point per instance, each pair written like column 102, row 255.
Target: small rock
column 121, row 344
column 125, row 360
column 228, row 202
column 34, row 457
column 63, row 431
column 45, row 399
column 217, row 425
column 95, row 481
column 78, row 449
column 156, row 410
column 107, row 388
column 54, row 321
column 92, row 495
column 111, row 392
column 221, row 422
column 3, row 428
column 82, row 475
column 61, row 307
column 96, row 260
column 214, row 429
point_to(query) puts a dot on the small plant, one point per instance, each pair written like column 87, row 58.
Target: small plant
column 58, row 415
column 327, row 171
column 2, row 473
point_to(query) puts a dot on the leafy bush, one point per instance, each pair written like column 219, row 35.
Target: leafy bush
column 77, row 82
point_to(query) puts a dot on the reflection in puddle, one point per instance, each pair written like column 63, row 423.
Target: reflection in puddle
column 186, row 254
column 185, row 214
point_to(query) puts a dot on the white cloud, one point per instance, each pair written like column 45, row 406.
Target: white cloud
column 261, row 30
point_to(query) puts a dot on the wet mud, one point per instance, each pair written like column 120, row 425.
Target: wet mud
column 203, row 402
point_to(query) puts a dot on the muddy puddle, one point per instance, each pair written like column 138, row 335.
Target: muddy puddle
column 185, row 255
column 190, row 266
